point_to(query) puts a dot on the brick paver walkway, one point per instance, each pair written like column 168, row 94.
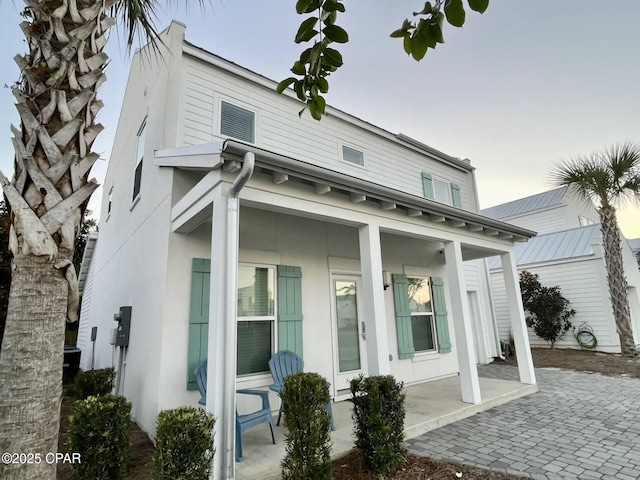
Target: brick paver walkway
column 579, row 425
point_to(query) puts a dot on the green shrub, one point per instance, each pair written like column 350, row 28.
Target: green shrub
column 547, row 311
column 184, row 444
column 99, row 431
column 378, row 422
column 94, row 383
column 308, row 443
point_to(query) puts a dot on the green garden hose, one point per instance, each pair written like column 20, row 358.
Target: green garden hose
column 585, row 337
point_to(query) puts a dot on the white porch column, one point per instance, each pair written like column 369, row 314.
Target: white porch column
column 373, row 294
column 469, row 383
column 516, row 313
column 217, row 351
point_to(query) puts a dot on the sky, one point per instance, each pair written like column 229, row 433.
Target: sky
column 516, row 90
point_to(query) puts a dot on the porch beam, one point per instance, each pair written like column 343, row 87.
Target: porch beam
column 516, row 314
column 374, row 306
column 195, row 206
column 465, row 348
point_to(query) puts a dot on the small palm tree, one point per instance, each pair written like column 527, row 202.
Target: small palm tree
column 608, row 178
column 57, row 103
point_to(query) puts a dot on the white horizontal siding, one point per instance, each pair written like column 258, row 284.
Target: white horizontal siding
column 279, row 129
column 546, row 221
column 581, row 283
column 84, row 328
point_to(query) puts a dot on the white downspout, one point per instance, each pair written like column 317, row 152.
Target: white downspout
column 229, row 399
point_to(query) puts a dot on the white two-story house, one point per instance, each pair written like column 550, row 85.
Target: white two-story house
column 567, row 252
column 358, row 249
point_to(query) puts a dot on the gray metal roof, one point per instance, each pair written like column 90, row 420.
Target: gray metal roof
column 634, row 243
column 526, row 204
column 554, row 246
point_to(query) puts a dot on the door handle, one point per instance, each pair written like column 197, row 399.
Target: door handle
column 364, row 330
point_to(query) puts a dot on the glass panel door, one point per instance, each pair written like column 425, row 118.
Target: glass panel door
column 347, row 325
column 350, row 357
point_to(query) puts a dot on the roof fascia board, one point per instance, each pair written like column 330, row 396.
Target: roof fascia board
column 349, row 183
column 205, row 156
column 399, row 139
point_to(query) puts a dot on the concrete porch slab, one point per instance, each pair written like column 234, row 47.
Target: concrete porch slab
column 428, row 406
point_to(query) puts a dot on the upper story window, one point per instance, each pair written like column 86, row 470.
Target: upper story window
column 137, row 178
column 110, row 201
column 237, row 122
column 441, row 190
column 584, row 221
column 352, row 155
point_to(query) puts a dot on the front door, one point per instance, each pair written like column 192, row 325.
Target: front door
column 349, row 335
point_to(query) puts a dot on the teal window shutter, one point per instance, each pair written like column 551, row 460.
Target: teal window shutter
column 403, row 316
column 198, row 317
column 290, row 309
column 440, row 310
column 455, row 195
column 427, row 186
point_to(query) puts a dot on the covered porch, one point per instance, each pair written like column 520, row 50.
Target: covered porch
column 429, row 406
column 306, row 218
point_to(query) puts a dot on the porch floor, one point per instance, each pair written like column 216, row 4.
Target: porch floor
column 428, row 406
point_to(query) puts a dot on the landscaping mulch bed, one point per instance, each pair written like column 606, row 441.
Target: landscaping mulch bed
column 612, row 364
column 350, row 467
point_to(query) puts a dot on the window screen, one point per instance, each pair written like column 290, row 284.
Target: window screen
column 237, row 122
column 352, row 155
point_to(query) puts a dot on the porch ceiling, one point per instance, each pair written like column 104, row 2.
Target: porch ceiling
column 228, row 155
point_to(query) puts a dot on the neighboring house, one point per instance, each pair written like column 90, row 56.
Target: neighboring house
column 568, row 253
column 635, row 248
column 359, row 249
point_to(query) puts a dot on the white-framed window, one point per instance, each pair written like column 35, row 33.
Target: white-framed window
column 584, row 221
column 423, row 326
column 442, row 191
column 237, row 122
column 256, row 318
column 352, row 155
column 110, row 201
column 137, row 176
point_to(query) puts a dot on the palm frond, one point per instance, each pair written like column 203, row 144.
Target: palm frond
column 609, row 177
column 139, row 20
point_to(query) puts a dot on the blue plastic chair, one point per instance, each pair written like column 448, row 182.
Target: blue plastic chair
column 243, row 422
column 283, row 364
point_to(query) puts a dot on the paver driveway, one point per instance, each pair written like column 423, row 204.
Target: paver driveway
column 578, row 425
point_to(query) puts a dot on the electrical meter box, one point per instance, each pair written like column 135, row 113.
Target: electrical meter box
column 124, row 326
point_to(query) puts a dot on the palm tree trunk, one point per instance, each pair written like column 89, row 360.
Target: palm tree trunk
column 616, row 279
column 31, row 367
column 56, row 100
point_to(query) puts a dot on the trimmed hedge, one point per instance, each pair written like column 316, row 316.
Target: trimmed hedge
column 184, row 444
column 308, row 443
column 99, row 431
column 94, row 383
column 378, row 422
